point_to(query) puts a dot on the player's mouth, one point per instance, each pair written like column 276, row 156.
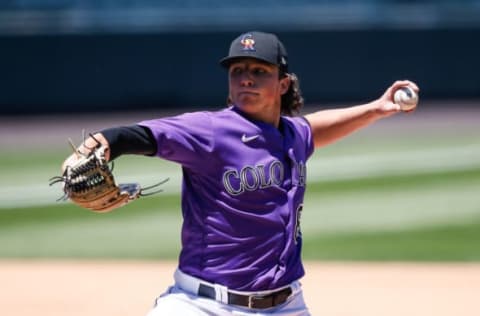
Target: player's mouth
column 247, row 93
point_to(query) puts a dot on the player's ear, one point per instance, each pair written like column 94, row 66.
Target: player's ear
column 284, row 84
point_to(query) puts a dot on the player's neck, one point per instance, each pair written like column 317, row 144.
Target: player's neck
column 265, row 115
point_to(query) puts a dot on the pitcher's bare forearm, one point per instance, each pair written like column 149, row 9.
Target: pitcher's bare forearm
column 329, row 126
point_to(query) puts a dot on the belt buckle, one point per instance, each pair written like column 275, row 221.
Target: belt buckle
column 251, row 300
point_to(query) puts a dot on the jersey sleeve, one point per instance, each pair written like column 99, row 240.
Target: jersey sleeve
column 186, row 139
column 305, row 132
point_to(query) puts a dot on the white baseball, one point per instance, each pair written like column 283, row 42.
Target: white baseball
column 406, row 97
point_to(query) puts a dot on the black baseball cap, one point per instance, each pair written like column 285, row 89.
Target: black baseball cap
column 259, row 45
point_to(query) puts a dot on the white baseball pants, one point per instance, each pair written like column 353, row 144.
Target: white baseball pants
column 181, row 300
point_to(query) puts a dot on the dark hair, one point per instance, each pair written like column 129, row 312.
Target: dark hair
column 292, row 100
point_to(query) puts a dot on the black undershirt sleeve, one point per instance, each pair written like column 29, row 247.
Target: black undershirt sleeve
column 134, row 139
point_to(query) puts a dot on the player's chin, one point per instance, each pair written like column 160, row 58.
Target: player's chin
column 245, row 99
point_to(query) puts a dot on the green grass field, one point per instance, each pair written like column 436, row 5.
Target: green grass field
column 373, row 196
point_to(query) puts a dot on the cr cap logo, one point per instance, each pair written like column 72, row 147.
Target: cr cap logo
column 248, row 42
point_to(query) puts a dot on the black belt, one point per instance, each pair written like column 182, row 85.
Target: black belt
column 250, row 301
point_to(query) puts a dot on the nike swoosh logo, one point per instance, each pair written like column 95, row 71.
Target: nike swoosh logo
column 247, row 139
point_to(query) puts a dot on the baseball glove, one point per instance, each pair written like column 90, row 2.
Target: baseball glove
column 89, row 183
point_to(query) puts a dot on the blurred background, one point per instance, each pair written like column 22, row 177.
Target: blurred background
column 72, row 55
column 404, row 189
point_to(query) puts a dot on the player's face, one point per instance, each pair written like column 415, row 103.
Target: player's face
column 255, row 87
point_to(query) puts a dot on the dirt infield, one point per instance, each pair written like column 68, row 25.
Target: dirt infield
column 61, row 288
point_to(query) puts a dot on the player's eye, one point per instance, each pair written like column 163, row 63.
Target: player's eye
column 259, row 71
column 236, row 70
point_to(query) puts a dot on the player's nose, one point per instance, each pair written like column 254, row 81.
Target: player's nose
column 246, row 81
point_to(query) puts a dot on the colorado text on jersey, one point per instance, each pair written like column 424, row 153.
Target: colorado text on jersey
column 251, row 178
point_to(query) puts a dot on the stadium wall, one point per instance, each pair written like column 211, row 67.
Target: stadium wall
column 100, row 72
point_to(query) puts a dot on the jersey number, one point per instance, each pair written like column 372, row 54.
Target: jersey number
column 298, row 232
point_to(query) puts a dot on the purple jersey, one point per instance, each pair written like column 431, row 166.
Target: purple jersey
column 242, row 194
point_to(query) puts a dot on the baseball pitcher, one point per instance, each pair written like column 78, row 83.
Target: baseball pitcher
column 244, row 180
